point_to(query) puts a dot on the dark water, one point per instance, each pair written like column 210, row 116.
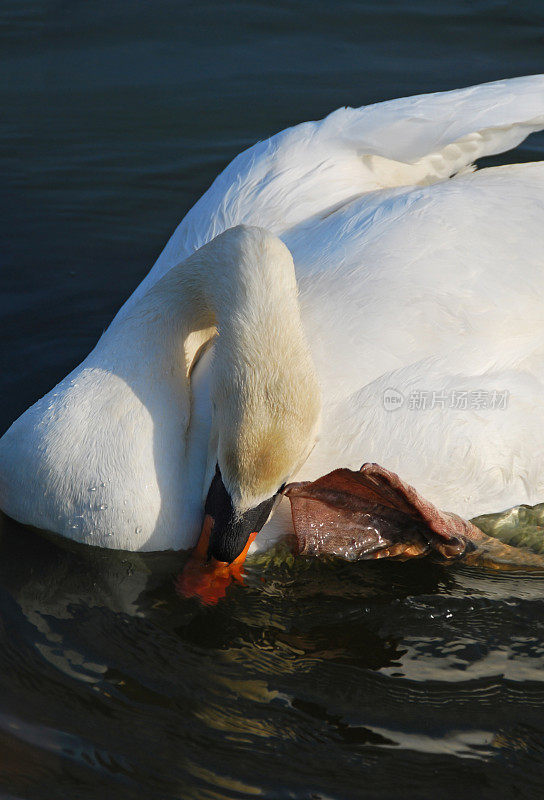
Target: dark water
column 315, row 680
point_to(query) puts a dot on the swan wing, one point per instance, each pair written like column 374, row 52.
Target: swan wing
column 314, row 167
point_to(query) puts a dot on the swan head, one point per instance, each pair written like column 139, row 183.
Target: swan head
column 254, row 452
column 265, row 395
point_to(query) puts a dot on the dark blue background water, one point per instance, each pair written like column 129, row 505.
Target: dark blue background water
column 315, row 680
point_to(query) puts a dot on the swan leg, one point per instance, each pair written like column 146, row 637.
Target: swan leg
column 370, row 514
column 374, row 514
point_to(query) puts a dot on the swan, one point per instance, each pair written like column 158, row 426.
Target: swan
column 335, row 266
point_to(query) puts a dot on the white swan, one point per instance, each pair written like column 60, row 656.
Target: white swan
column 408, row 282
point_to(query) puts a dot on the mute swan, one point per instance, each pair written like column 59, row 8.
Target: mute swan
column 416, row 278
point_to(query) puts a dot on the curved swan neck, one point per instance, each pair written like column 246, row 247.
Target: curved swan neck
column 265, row 392
column 243, row 284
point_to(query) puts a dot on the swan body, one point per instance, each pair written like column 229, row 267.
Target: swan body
column 417, row 277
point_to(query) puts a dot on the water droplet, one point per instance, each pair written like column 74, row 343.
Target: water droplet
column 138, row 529
column 109, row 533
column 74, row 527
column 92, row 488
column 102, row 485
column 103, row 507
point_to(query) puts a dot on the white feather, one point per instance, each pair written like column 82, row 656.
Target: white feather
column 407, row 281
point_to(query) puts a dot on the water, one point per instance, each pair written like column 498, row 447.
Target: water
column 314, row 680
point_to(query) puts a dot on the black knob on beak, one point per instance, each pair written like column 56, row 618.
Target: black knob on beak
column 231, row 531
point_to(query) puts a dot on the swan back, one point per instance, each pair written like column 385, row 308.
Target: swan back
column 314, row 168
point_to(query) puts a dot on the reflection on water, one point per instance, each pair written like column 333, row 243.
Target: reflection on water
column 315, row 679
column 308, row 676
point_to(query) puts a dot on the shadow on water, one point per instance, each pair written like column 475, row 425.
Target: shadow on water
column 307, row 677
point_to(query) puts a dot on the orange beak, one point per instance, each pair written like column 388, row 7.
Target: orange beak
column 208, row 579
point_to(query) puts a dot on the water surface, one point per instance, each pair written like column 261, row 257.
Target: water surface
column 315, row 680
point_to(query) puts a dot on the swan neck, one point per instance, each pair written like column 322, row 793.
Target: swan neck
column 243, row 285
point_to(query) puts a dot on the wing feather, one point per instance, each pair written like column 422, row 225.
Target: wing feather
column 315, row 167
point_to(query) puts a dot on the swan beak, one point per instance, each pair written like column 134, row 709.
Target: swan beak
column 231, row 535
column 223, row 545
column 207, row 579
column 226, row 531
